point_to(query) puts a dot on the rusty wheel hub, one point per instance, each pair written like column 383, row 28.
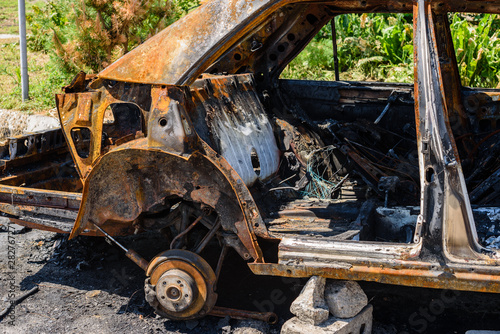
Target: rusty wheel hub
column 180, row 285
column 176, row 290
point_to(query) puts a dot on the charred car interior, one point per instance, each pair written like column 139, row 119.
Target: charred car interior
column 194, row 135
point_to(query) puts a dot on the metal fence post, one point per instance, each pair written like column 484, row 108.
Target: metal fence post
column 22, row 45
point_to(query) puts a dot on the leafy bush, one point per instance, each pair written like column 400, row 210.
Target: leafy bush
column 91, row 34
column 380, row 47
column 369, row 46
column 67, row 36
column 477, row 48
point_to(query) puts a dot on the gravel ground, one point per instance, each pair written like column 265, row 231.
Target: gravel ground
column 85, row 286
column 88, row 286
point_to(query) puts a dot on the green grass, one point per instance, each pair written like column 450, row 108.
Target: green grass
column 9, row 24
column 44, row 81
column 8, row 17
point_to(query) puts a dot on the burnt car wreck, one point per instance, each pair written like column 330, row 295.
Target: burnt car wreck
column 193, row 134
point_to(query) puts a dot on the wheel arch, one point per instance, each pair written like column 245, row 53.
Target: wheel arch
column 130, row 180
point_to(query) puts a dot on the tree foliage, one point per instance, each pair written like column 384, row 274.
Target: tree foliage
column 90, row 34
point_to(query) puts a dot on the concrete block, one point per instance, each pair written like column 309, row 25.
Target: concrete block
column 361, row 323
column 40, row 123
column 310, row 305
column 345, row 299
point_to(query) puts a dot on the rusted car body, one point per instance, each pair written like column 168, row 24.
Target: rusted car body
column 194, row 135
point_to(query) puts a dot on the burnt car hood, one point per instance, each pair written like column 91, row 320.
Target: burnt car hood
column 173, row 55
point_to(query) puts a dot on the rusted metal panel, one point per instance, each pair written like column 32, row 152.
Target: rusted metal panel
column 169, row 130
column 32, row 146
column 238, row 125
column 183, row 50
column 429, row 275
column 169, row 126
column 175, row 50
column 43, row 226
column 452, row 218
column 40, row 197
column 147, row 176
column 82, row 118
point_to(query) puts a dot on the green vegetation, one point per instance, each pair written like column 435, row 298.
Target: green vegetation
column 477, row 47
column 379, row 47
column 375, row 47
column 8, row 15
column 45, row 79
column 67, row 36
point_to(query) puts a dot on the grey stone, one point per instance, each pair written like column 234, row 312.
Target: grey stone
column 250, row 326
column 310, row 305
column 361, row 323
column 345, row 299
column 40, row 123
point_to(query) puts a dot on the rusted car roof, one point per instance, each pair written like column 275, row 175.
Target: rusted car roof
column 179, row 53
column 168, row 57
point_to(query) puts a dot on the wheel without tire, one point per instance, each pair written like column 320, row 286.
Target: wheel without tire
column 180, row 285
